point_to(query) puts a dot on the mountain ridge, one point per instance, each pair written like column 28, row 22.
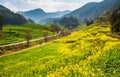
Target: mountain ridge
column 38, row 15
column 93, row 9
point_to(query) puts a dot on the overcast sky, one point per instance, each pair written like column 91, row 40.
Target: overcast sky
column 46, row 5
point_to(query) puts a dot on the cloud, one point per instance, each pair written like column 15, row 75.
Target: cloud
column 53, row 5
column 10, row 6
column 46, row 5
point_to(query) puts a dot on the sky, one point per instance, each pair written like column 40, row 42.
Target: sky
column 46, row 5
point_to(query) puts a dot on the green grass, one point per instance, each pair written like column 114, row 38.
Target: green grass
column 85, row 53
column 82, row 25
column 18, row 32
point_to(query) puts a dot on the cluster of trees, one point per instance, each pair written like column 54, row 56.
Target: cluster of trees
column 69, row 22
column 88, row 22
column 115, row 21
column 55, row 28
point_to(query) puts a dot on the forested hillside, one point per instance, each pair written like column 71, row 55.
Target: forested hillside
column 10, row 17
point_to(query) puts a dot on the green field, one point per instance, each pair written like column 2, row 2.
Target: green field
column 88, row 52
column 18, row 33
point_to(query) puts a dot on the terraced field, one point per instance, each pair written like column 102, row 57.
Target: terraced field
column 15, row 33
column 85, row 53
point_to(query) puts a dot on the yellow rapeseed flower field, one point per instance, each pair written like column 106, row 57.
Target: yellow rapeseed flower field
column 88, row 52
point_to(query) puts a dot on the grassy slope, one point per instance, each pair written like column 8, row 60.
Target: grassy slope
column 92, row 54
column 19, row 32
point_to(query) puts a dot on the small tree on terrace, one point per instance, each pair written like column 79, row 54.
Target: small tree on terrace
column 28, row 36
column 55, row 28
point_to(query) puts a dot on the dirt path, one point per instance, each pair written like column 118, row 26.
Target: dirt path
column 25, row 41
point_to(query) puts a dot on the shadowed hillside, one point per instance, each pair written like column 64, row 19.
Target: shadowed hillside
column 11, row 17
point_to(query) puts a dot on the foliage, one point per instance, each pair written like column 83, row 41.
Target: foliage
column 85, row 53
column 88, row 22
column 55, row 28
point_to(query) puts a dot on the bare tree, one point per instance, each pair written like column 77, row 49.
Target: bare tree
column 28, row 36
column 45, row 35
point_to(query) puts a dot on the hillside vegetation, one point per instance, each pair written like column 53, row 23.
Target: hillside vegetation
column 85, row 53
column 11, row 17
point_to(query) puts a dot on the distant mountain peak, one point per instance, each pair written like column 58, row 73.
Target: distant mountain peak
column 37, row 11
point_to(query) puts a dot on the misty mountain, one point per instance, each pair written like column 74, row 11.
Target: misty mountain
column 11, row 17
column 40, row 16
column 93, row 10
column 35, row 15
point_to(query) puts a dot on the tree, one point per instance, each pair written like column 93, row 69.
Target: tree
column 88, row 22
column 28, row 36
column 45, row 35
column 55, row 28
column 115, row 21
column 1, row 22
